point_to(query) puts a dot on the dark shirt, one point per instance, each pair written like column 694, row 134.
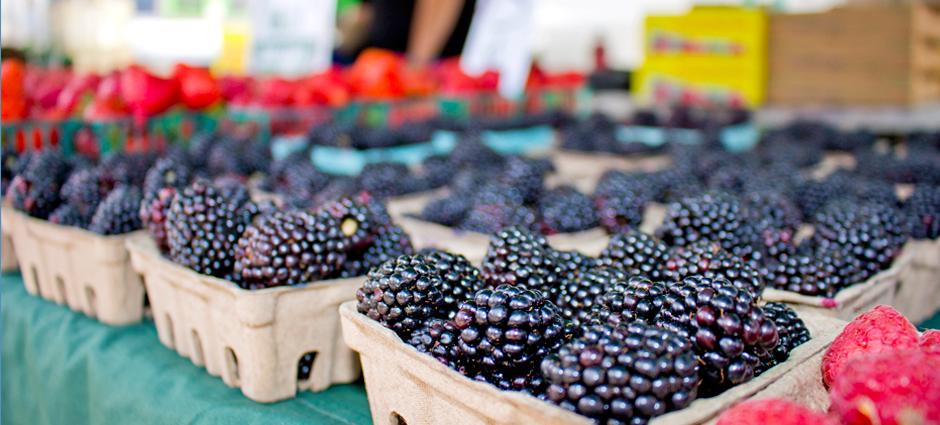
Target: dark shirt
column 391, row 25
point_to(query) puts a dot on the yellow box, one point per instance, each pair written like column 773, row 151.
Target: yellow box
column 713, row 54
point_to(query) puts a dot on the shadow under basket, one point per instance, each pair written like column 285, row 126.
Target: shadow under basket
column 8, row 261
column 918, row 296
column 409, row 387
column 851, row 301
column 88, row 272
column 271, row 343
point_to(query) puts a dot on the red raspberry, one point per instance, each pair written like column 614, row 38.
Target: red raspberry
column 878, row 329
column 772, row 411
column 889, row 388
column 930, row 341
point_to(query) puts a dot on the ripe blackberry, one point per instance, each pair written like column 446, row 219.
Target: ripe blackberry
column 354, row 222
column 517, row 256
column 773, row 210
column 471, row 152
column 637, row 254
column 35, row 191
column 791, row 330
column 126, row 168
column 710, row 261
column 232, row 188
column 923, row 212
column 166, row 172
column 496, row 193
column 871, row 233
column 84, row 190
column 623, row 374
column 812, row 195
column 717, row 217
column 566, row 210
column 459, row 279
column 390, row 243
column 637, row 298
column 619, row 213
column 67, row 215
column 800, row 274
column 436, row 171
column 203, row 229
column 730, row 333
column 382, row 179
column 490, row 218
column 508, row 331
column 577, row 296
column 438, row 338
column 402, row 294
column 776, row 245
column 118, row 212
column 526, row 175
column 449, row 211
column 153, row 214
column 289, row 248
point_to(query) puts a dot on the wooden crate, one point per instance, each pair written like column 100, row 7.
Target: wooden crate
column 861, row 54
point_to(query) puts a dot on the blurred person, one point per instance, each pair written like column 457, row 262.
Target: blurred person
column 424, row 30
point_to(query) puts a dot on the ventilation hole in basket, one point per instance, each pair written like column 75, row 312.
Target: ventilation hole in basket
column 35, row 274
column 231, row 362
column 396, row 419
column 92, row 301
column 60, row 285
column 305, row 366
column 169, row 330
column 197, row 348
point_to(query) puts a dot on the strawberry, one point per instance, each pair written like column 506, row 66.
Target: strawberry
column 878, row 329
column 772, row 411
column 893, row 387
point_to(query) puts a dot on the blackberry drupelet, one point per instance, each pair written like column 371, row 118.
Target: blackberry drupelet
column 203, row 229
column 289, row 248
column 389, row 243
column 232, row 188
column 84, row 190
column 67, row 215
column 438, row 338
column 776, row 245
column 354, row 222
column 791, row 330
column 153, row 215
column 566, row 210
column 730, row 333
column 517, row 256
column 118, row 213
column 710, row 261
column 717, row 217
column 923, row 212
column 576, row 297
column 402, row 294
column 637, row 254
column 637, row 298
column 629, row 373
column 449, row 211
column 508, row 331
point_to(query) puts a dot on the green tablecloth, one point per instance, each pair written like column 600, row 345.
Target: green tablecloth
column 61, row 367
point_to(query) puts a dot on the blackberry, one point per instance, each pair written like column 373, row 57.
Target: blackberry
column 801, row 274
column 203, row 229
column 716, row 217
column 490, row 218
column 637, row 254
column 459, row 279
column 232, row 189
column 791, row 330
column 623, row 374
column 566, row 210
column 289, row 248
column 516, row 256
column 153, row 215
column 730, row 333
column 576, row 297
column 471, row 152
column 35, row 191
column 67, row 215
column 507, row 331
column 526, row 175
column 436, row 171
column 812, row 196
column 438, row 338
column 354, row 221
column 118, row 213
column 390, row 243
column 773, row 210
column 449, row 211
column 402, row 294
column 126, row 168
column 166, row 172
column 84, row 190
column 7, row 170
column 776, row 245
column 496, row 193
column 636, row 299
column 872, row 233
column 621, row 213
column 923, row 212
column 710, row 261
column 382, row 179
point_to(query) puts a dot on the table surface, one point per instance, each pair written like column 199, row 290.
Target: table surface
column 62, row 367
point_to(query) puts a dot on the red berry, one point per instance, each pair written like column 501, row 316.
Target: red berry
column 772, row 411
column 930, row 341
column 876, row 330
column 891, row 387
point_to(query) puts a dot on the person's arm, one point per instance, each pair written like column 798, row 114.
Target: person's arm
column 354, row 28
column 431, row 26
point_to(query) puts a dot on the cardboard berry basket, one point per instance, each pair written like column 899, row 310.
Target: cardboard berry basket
column 918, row 296
column 8, row 261
column 852, row 300
column 88, row 272
column 406, row 386
column 253, row 340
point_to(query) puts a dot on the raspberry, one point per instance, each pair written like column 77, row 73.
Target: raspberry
column 930, row 341
column 889, row 388
column 772, row 411
column 878, row 329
